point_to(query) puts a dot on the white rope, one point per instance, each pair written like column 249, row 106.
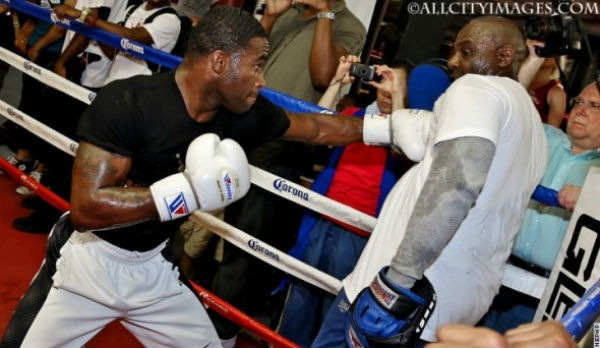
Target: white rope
column 267, row 253
column 47, row 77
column 310, row 199
column 36, row 127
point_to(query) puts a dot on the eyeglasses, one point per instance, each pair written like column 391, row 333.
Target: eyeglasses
column 592, row 105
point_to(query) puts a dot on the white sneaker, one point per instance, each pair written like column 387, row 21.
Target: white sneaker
column 24, row 190
column 229, row 342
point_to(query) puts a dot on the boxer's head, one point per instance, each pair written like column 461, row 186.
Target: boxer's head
column 583, row 126
column 488, row 46
column 229, row 47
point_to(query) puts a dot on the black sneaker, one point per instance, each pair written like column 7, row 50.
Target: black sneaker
column 36, row 222
column 34, row 203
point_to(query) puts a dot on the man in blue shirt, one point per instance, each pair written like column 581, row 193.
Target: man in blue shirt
column 538, row 242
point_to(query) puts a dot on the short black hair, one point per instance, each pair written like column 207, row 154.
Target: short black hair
column 223, row 28
column 401, row 63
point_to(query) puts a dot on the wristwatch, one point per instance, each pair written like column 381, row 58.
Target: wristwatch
column 84, row 13
column 328, row 15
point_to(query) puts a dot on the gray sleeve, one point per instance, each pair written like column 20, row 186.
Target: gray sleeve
column 458, row 172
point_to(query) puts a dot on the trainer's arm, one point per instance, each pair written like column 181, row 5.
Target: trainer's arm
column 324, row 129
column 97, row 199
column 458, row 172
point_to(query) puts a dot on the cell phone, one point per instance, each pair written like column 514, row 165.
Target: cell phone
column 362, row 71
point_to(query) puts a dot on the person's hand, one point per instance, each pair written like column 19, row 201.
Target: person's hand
column 318, row 5
column 276, row 7
column 21, row 44
column 568, row 195
column 342, row 73
column 531, row 45
column 33, row 53
column 60, row 69
column 545, row 334
column 66, row 11
column 457, row 336
column 397, row 77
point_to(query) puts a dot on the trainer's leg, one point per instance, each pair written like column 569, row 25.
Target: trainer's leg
column 67, row 320
column 332, row 332
column 176, row 319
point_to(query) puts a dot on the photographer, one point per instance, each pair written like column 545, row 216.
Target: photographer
column 540, row 76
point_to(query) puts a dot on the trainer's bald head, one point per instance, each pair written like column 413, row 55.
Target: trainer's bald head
column 495, row 46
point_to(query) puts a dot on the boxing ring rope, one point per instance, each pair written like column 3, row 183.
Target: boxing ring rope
column 209, row 299
column 261, row 178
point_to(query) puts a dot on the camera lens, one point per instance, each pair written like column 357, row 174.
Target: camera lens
column 535, row 28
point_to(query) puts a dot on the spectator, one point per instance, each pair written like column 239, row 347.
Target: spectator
column 538, row 242
column 540, row 77
column 448, row 224
column 63, row 111
column 307, row 40
column 40, row 42
column 160, row 33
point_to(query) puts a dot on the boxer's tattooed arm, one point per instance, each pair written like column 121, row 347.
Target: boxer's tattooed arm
column 458, row 172
column 97, row 199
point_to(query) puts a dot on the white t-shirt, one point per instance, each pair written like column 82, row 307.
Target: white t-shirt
column 164, row 30
column 468, row 273
column 95, row 73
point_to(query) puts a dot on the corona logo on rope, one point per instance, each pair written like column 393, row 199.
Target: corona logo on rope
column 128, row 45
column 13, row 113
column 254, row 244
column 54, row 18
column 31, row 67
column 73, row 147
column 282, row 186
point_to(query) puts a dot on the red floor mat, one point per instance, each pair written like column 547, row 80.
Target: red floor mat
column 21, row 255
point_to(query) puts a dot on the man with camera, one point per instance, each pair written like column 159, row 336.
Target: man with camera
column 447, row 226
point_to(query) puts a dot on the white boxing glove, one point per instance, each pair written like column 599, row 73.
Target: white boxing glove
column 216, row 174
column 407, row 129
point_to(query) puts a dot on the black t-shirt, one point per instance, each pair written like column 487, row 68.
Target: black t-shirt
column 145, row 118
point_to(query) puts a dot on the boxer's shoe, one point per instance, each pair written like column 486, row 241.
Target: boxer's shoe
column 36, row 222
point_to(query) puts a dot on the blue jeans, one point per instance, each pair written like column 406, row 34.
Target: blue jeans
column 331, row 249
column 332, row 332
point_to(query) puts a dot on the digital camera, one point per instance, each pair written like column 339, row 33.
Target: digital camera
column 559, row 32
column 362, row 71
